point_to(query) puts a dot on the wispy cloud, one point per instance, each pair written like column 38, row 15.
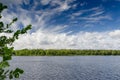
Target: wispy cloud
column 91, row 16
column 53, row 36
column 97, row 13
column 60, row 5
column 83, row 4
column 40, row 19
column 81, row 12
column 45, row 2
column 95, row 19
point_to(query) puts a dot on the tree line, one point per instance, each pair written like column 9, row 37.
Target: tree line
column 63, row 52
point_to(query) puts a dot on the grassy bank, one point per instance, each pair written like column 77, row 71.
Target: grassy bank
column 64, row 52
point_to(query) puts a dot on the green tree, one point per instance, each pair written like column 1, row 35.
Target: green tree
column 5, row 51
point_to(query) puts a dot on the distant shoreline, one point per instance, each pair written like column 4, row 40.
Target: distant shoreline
column 64, row 52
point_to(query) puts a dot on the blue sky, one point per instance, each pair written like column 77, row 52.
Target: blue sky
column 66, row 24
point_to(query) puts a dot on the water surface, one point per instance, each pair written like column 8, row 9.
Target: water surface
column 68, row 67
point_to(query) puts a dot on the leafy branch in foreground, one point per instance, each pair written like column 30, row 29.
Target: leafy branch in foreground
column 5, row 51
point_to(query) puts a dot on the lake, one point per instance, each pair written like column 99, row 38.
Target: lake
column 68, row 67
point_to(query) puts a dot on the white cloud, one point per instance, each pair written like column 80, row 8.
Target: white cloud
column 88, row 25
column 83, row 4
column 7, row 2
column 97, row 13
column 95, row 19
column 115, row 34
column 63, row 5
column 45, row 2
column 81, row 12
column 53, row 37
column 91, row 16
column 81, row 40
column 40, row 17
column 58, row 28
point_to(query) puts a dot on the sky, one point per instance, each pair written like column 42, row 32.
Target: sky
column 65, row 24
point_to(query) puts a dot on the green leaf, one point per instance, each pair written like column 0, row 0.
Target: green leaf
column 7, row 53
column 1, row 24
column 16, row 75
column 10, row 41
column 29, row 27
column 24, row 30
column 0, row 16
column 11, row 75
column 18, row 70
column 2, row 7
column 1, row 71
column 4, row 64
column 6, row 72
column 15, row 19
column 2, row 40
column 16, row 34
column 8, row 31
column 1, row 27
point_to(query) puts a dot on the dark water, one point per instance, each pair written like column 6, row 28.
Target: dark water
column 69, row 68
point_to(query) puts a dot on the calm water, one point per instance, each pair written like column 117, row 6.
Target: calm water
column 69, row 68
